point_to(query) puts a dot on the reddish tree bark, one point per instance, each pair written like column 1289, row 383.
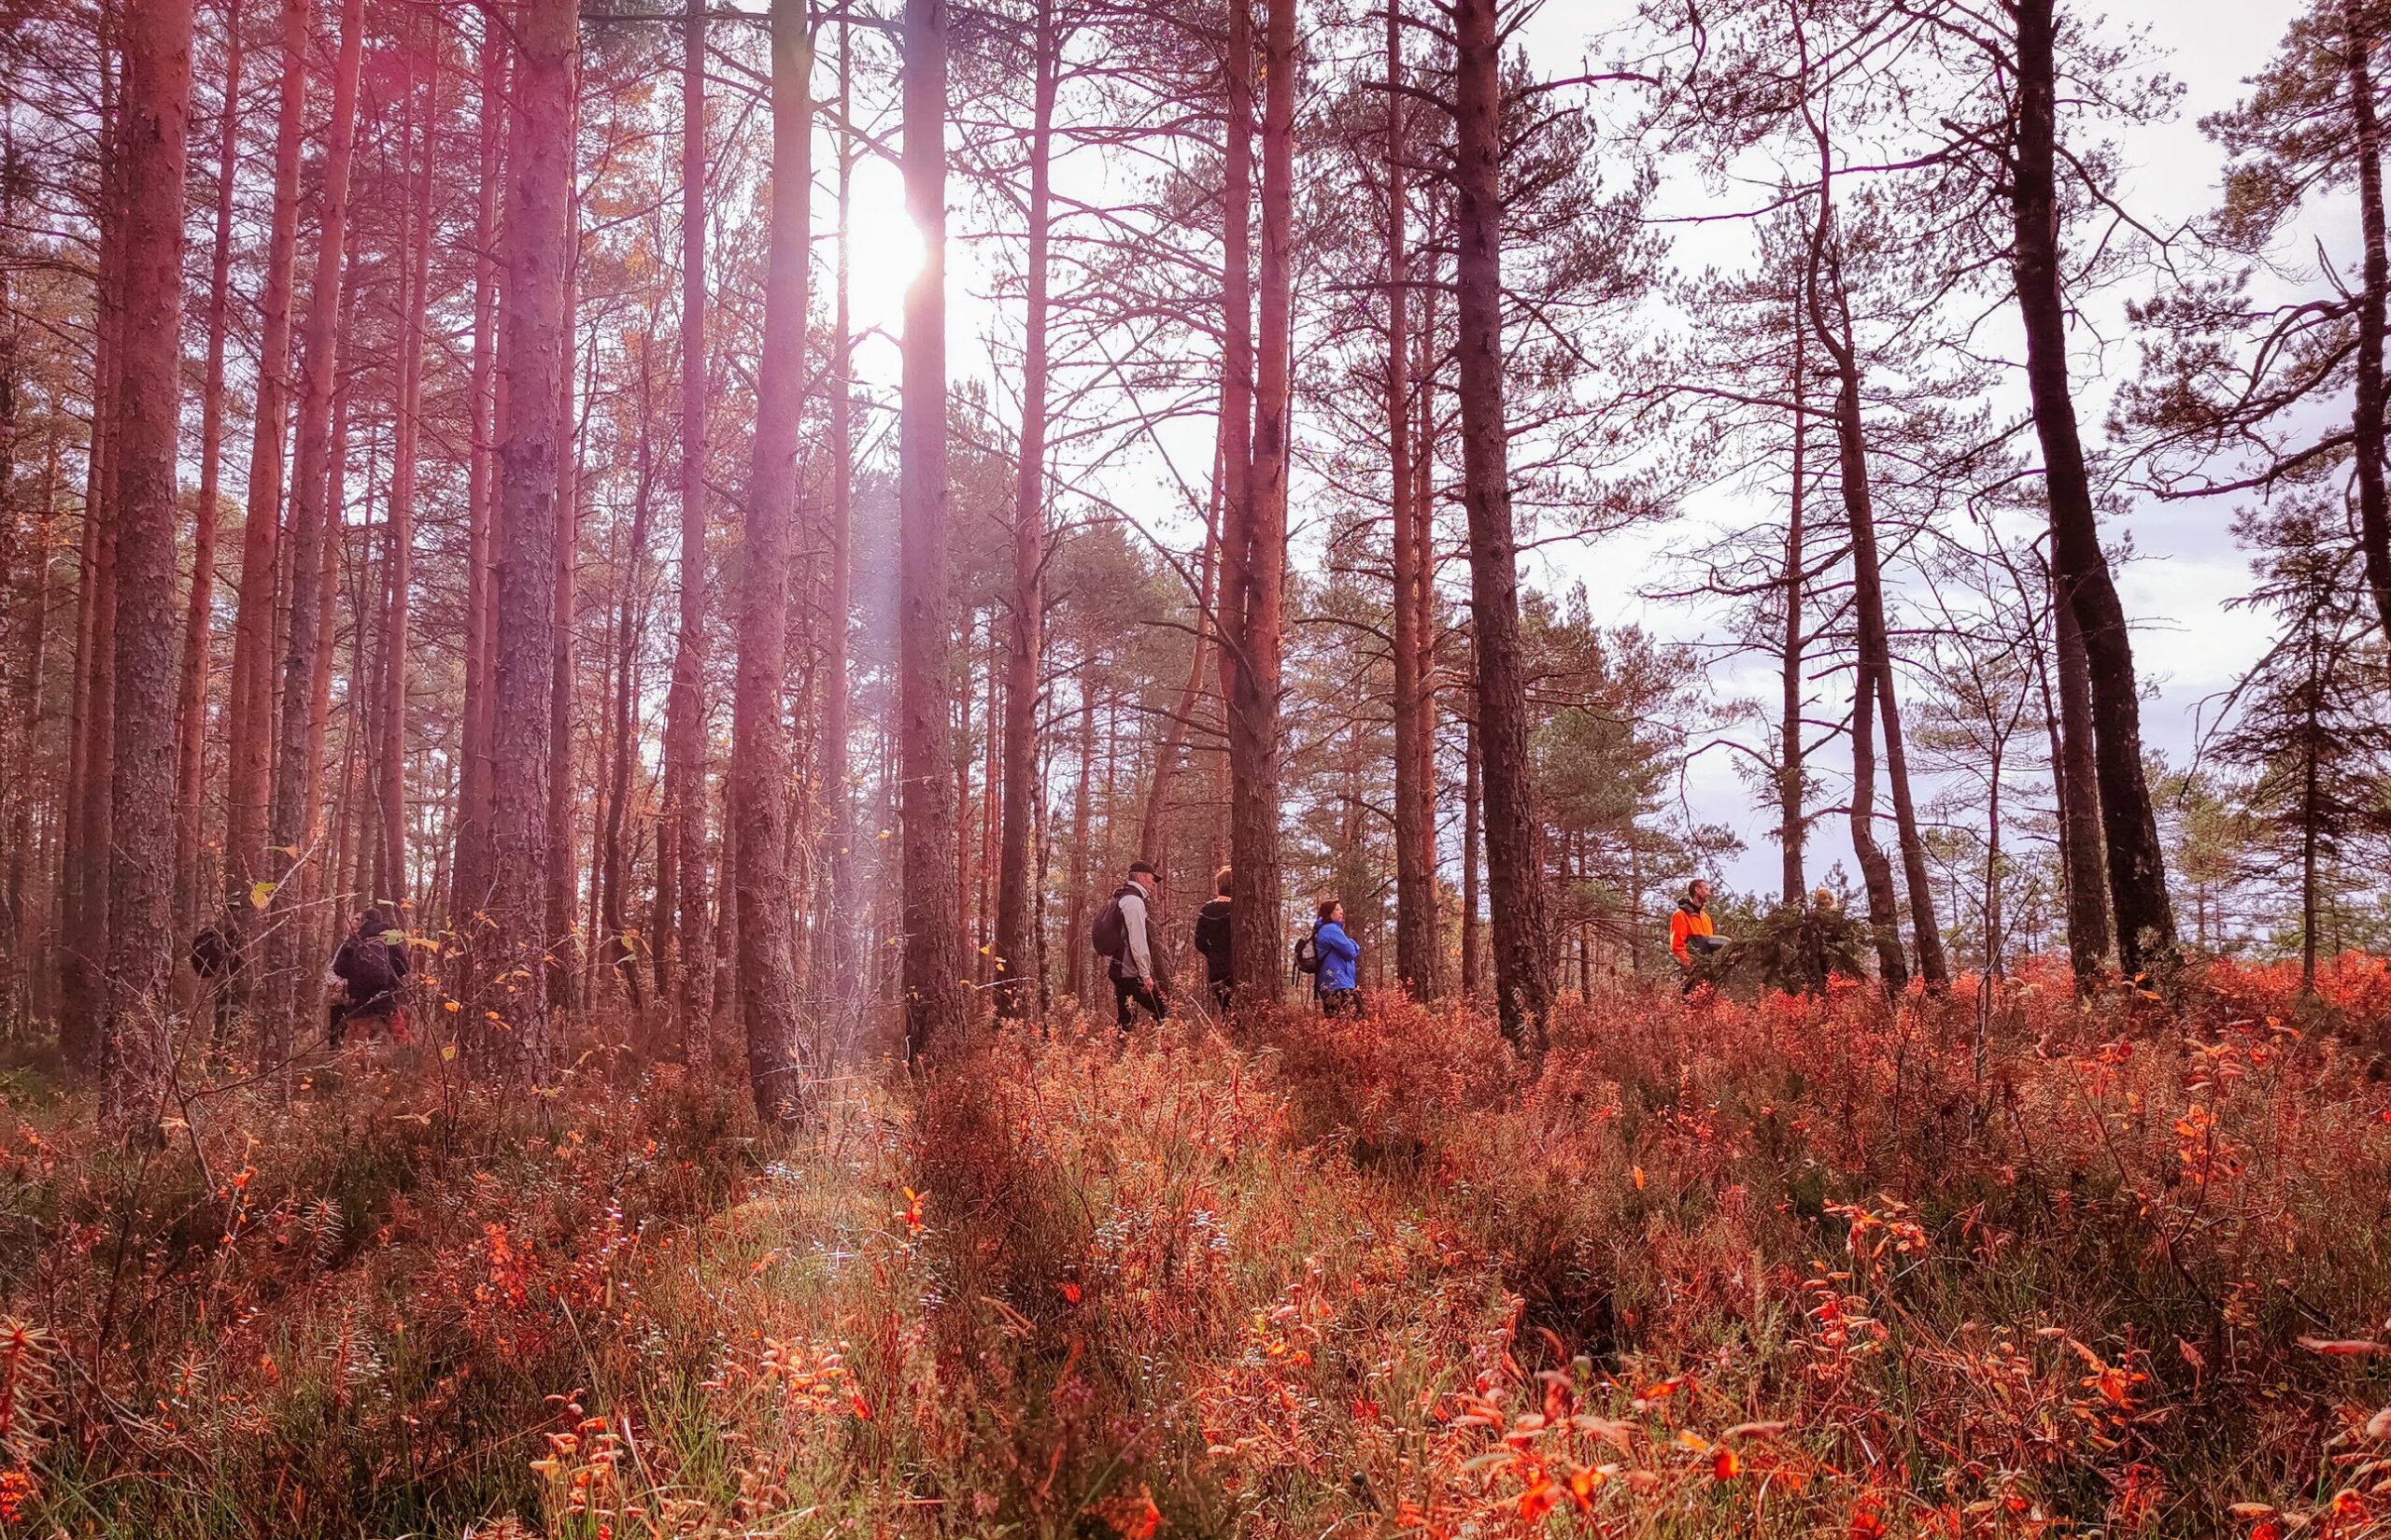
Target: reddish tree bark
column 1522, row 972
column 1415, row 871
column 2076, row 779
column 927, row 654
column 681, row 861
column 564, row 866
column 535, row 351
column 469, row 874
column 298, row 770
column 777, row 1063
column 190, row 704
column 137, row 1045
column 2361, row 25
column 392, row 788
column 1024, row 638
column 250, row 724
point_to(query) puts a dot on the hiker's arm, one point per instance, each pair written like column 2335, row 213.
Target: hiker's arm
column 1335, row 939
column 1133, row 916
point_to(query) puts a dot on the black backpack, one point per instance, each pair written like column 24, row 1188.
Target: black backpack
column 1307, row 952
column 370, row 969
column 1111, row 932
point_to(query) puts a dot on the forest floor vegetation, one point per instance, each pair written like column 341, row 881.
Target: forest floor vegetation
column 1797, row 1267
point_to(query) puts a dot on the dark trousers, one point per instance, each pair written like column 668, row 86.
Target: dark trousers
column 1224, row 993
column 1128, row 992
column 1340, row 1002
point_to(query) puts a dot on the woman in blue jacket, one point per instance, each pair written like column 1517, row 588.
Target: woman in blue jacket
column 1338, row 955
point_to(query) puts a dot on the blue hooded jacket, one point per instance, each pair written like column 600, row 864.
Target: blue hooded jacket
column 1338, row 955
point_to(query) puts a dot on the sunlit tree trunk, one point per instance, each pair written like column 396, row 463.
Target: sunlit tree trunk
column 1522, row 972
column 777, row 1063
column 1025, row 633
column 535, row 350
column 622, row 952
column 934, row 1001
column 833, row 908
column 2145, row 916
column 190, row 699
column 136, row 1046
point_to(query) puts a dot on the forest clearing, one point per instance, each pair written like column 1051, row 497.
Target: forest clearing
column 1138, row 767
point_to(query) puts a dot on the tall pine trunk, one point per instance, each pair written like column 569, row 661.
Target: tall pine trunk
column 2089, row 937
column 1522, row 974
column 1791, row 777
column 564, row 866
column 392, row 780
column 249, row 758
column 681, row 897
column 469, row 875
column 2361, row 27
column 191, row 701
column 1024, row 636
column 2145, row 916
column 777, row 1064
column 137, row 1046
column 298, row 768
column 535, row 350
column 1415, row 873
column 833, row 913
column 926, row 651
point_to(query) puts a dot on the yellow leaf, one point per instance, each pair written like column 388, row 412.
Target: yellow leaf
column 260, row 894
column 447, row 1052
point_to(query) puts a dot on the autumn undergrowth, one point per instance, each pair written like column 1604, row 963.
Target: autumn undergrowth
column 1937, row 1266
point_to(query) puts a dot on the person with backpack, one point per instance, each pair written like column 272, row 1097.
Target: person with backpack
column 370, row 965
column 1334, row 955
column 216, row 958
column 1212, row 941
column 1123, row 939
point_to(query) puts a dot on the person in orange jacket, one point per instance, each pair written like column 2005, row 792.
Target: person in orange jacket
column 1690, row 935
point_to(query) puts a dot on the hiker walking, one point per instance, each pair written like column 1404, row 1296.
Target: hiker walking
column 1123, row 939
column 370, row 965
column 1212, row 941
column 1334, row 955
column 1692, row 938
column 216, row 957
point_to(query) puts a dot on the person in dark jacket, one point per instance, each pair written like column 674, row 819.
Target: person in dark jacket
column 370, row 965
column 1212, row 941
column 1339, row 954
column 216, row 957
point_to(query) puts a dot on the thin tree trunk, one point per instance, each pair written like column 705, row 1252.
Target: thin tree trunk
column 1522, row 974
column 469, row 874
column 137, row 1046
column 1152, row 831
column 536, row 351
column 934, row 1003
column 1075, row 914
column 251, row 758
column 2360, row 28
column 1415, row 880
column 392, row 778
column 1024, row 639
column 1933, row 965
column 833, row 908
column 680, row 896
column 191, row 708
column 778, row 1060
column 33, row 650
column 2088, row 939
column 564, row 866
column 624, row 950
column 1791, row 776
column 297, row 774
column 2146, row 918
column 1471, row 982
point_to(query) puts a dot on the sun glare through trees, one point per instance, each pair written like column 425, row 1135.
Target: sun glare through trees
column 1231, row 768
